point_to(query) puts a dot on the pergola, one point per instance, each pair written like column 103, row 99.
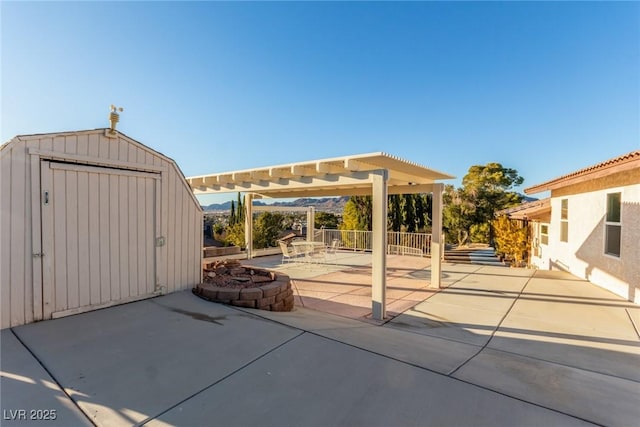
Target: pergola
column 376, row 174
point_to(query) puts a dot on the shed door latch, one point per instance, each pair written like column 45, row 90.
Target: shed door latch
column 38, row 255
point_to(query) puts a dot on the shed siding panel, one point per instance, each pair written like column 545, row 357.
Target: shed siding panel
column 123, row 235
column 71, row 144
column 94, row 239
column 83, row 145
column 59, row 144
column 164, row 206
column 172, row 238
column 59, row 201
column 103, row 146
column 133, row 240
column 105, row 270
column 46, row 210
column 28, row 243
column 46, row 143
column 114, row 227
column 5, row 236
column 18, row 171
column 196, row 230
column 149, row 234
column 180, row 228
column 73, row 291
column 34, row 237
column 142, row 247
column 84, row 212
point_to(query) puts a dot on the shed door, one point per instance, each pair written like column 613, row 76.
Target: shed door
column 98, row 239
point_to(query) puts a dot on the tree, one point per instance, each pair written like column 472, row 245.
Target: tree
column 350, row 217
column 357, row 213
column 218, row 229
column 469, row 210
column 489, row 187
column 423, row 203
column 267, row 228
column 232, row 215
column 457, row 214
column 240, row 214
column 326, row 220
column 395, row 212
column 235, row 235
column 408, row 212
column 510, row 239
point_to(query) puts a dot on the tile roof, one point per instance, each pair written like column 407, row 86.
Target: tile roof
column 618, row 164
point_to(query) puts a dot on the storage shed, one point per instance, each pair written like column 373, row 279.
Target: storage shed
column 91, row 219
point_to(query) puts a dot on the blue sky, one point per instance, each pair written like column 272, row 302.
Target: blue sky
column 545, row 87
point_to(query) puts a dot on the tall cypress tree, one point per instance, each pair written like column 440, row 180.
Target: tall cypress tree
column 421, row 211
column 240, row 214
column 395, row 212
column 232, row 216
column 409, row 212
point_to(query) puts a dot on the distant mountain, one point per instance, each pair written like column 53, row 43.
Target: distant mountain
column 527, row 199
column 326, row 204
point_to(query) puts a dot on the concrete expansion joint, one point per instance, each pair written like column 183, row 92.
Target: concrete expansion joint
column 318, row 334
column 633, row 323
column 249, row 363
column 62, row 389
column 493, row 333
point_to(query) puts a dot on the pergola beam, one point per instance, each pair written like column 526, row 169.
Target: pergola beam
column 376, row 174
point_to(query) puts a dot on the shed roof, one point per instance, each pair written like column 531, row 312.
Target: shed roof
column 618, row 164
column 349, row 175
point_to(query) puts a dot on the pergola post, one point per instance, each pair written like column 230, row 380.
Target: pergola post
column 379, row 181
column 248, row 224
column 311, row 225
column 437, row 246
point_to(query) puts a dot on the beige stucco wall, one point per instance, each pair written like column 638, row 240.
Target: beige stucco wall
column 178, row 216
column 583, row 255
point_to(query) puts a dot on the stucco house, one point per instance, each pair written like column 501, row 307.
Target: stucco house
column 590, row 225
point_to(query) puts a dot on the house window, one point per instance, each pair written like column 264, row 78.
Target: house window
column 613, row 225
column 564, row 220
column 544, row 234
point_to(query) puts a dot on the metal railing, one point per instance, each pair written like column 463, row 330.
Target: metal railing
column 358, row 240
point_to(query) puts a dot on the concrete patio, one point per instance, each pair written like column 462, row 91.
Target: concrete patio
column 497, row 347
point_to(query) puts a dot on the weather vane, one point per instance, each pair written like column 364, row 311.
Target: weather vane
column 114, row 117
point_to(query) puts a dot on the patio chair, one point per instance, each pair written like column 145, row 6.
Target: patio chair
column 333, row 249
column 288, row 255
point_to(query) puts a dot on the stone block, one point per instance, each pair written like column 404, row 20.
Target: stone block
column 251, row 294
column 209, row 293
column 279, row 306
column 229, row 294
column 289, row 300
column 244, row 303
column 283, row 295
column 270, row 290
column 263, row 302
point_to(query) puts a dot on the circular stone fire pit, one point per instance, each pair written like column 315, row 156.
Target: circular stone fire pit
column 229, row 282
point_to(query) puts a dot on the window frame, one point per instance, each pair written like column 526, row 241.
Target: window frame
column 564, row 220
column 543, row 235
column 608, row 223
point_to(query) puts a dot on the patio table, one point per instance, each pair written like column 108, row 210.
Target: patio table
column 311, row 250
